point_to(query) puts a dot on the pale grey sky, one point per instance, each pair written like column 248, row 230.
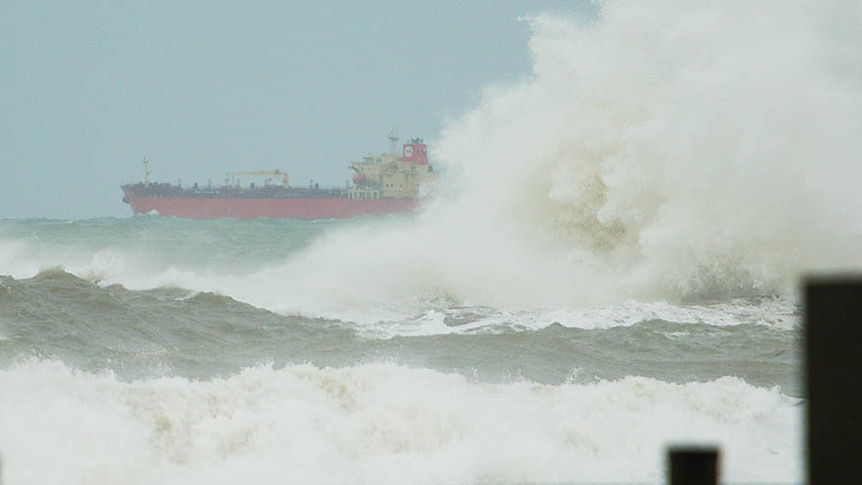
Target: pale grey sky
column 89, row 88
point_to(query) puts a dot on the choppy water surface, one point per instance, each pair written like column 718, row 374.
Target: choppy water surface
column 107, row 343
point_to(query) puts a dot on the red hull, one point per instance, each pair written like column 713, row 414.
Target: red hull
column 251, row 208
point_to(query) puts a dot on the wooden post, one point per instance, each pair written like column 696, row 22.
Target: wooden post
column 833, row 347
column 693, row 466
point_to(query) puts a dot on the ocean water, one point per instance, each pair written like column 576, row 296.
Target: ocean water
column 158, row 350
column 612, row 268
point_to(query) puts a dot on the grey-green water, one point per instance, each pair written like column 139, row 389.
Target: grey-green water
column 215, row 345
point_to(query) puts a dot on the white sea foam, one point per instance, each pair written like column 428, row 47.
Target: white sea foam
column 379, row 424
column 775, row 313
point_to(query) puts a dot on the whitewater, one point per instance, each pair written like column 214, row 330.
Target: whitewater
column 612, row 267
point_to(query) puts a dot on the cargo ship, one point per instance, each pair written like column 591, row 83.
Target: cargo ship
column 382, row 184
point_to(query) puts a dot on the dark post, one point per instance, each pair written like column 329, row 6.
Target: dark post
column 833, row 346
column 693, row 466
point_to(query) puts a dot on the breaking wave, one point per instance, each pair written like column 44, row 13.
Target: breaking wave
column 378, row 423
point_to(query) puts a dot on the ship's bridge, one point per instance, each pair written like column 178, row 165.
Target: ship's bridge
column 393, row 176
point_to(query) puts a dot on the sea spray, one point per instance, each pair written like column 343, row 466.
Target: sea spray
column 687, row 149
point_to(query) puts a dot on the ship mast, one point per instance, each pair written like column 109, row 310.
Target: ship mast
column 393, row 141
column 146, row 172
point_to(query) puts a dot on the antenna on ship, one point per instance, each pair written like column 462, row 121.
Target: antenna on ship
column 146, row 172
column 393, row 141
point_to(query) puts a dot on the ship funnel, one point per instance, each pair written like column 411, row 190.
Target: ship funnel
column 415, row 151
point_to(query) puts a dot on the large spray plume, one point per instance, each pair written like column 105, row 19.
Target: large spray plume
column 674, row 148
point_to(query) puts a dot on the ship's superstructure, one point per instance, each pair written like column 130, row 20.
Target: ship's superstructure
column 382, row 184
column 390, row 176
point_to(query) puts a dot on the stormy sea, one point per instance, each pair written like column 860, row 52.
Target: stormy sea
column 611, row 267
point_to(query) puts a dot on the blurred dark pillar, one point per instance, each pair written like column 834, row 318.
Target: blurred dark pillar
column 693, row 466
column 833, row 346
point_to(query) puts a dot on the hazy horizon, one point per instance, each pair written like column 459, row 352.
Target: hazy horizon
column 90, row 89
